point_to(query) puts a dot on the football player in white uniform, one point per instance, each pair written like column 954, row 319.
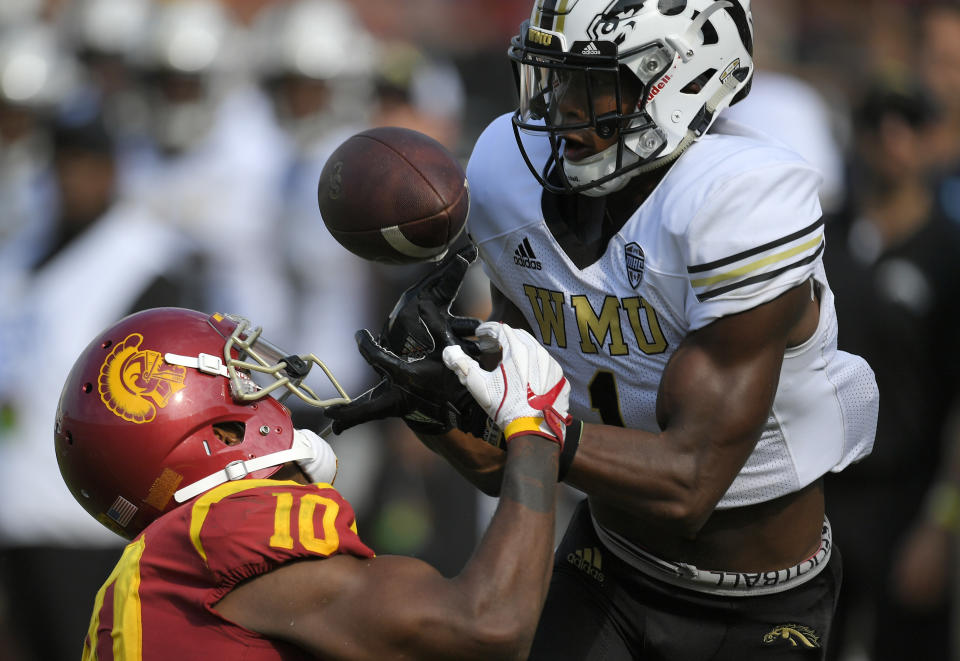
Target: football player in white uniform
column 670, row 261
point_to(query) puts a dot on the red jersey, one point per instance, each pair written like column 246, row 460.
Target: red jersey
column 160, row 600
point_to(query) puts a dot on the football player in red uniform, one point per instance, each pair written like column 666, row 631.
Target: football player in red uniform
column 242, row 548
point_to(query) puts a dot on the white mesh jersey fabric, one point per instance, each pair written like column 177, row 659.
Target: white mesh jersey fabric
column 734, row 224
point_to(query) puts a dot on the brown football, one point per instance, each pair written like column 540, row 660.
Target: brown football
column 393, row 195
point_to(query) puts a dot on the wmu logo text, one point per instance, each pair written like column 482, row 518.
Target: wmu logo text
column 133, row 383
column 793, row 635
column 588, row 560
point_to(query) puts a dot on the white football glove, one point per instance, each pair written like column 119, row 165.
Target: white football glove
column 526, row 394
column 320, row 465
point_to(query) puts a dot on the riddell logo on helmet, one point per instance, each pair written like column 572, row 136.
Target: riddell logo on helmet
column 658, row 87
column 133, row 383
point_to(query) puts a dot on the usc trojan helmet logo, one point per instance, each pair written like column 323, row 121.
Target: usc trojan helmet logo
column 133, row 383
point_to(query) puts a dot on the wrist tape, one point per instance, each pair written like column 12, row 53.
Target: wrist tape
column 570, row 445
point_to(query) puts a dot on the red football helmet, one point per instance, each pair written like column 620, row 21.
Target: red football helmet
column 163, row 405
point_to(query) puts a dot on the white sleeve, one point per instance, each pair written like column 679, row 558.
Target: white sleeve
column 758, row 234
column 500, row 194
column 486, row 215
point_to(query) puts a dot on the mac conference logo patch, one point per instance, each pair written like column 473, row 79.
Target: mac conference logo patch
column 134, row 382
column 634, row 258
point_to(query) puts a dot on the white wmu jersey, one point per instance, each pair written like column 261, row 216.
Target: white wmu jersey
column 734, row 224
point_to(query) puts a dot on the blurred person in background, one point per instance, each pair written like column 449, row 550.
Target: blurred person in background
column 36, row 76
column 52, row 556
column 785, row 106
column 315, row 61
column 214, row 164
column 892, row 261
column 104, row 34
column 939, row 51
column 420, row 91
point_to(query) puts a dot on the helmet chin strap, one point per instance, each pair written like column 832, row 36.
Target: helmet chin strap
column 301, row 449
column 604, row 163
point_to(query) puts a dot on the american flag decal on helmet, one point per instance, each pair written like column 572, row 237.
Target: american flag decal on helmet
column 758, row 264
column 122, row 511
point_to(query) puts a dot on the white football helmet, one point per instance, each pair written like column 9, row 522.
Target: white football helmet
column 114, row 27
column 187, row 56
column 320, row 39
column 691, row 58
column 36, row 71
column 317, row 60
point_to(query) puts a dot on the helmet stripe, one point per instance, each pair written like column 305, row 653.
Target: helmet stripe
column 561, row 15
column 548, row 14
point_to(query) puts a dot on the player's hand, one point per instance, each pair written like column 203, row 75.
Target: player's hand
column 417, row 386
column 320, row 465
column 526, row 394
column 423, row 392
column 406, row 332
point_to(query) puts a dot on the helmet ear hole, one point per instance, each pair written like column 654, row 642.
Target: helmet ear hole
column 230, row 433
column 697, row 84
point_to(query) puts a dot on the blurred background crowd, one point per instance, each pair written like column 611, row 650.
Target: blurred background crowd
column 167, row 153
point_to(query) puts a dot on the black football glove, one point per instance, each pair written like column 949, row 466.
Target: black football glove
column 405, row 332
column 423, row 392
column 417, row 386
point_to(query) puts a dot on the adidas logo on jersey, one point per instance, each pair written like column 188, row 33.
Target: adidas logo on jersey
column 590, row 49
column 524, row 256
column 588, row 560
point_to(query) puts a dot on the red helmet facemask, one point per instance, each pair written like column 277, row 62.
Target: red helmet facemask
column 161, row 407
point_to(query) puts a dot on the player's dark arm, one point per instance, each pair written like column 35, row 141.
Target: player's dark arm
column 393, row 607
column 480, row 463
column 715, row 396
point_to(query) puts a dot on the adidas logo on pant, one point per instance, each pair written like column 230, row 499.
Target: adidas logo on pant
column 524, row 256
column 588, row 560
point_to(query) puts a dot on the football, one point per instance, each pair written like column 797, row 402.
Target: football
column 393, row 195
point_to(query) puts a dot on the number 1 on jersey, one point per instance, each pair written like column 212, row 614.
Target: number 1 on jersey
column 604, row 398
